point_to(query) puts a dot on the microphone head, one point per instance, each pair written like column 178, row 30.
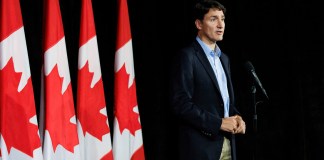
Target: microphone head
column 248, row 65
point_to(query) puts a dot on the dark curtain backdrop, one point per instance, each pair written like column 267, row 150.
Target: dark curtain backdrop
column 283, row 40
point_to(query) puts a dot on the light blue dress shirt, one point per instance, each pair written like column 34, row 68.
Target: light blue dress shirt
column 213, row 57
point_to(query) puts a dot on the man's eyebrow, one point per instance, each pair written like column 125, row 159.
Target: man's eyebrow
column 216, row 16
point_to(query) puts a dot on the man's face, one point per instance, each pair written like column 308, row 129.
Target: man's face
column 213, row 25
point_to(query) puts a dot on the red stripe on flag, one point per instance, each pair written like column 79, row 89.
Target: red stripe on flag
column 87, row 28
column 10, row 19
column 123, row 25
column 53, row 24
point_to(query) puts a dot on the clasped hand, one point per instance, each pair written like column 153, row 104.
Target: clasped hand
column 233, row 124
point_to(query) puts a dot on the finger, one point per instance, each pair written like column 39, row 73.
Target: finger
column 243, row 129
column 239, row 130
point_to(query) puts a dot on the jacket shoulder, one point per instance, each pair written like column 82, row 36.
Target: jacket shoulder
column 191, row 48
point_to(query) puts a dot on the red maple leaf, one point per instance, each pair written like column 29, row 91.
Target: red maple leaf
column 125, row 102
column 58, row 112
column 17, row 108
column 90, row 102
column 108, row 156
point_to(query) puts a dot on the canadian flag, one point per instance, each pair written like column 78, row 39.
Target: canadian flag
column 19, row 135
column 60, row 137
column 127, row 138
column 92, row 121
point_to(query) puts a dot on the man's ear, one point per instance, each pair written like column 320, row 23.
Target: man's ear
column 198, row 24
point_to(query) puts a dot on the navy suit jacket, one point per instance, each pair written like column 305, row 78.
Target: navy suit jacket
column 197, row 102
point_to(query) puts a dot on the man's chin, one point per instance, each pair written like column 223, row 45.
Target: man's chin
column 219, row 39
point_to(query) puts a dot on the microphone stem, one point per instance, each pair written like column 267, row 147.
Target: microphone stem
column 255, row 120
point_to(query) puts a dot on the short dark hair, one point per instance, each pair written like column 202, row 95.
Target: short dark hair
column 203, row 6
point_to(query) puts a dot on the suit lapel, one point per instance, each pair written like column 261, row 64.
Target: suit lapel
column 204, row 61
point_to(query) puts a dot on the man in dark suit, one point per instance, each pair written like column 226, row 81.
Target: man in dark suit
column 202, row 95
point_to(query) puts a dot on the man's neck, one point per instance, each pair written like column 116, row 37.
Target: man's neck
column 211, row 44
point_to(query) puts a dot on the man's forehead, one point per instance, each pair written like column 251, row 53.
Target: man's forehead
column 215, row 12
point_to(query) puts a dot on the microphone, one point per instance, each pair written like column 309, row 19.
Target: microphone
column 250, row 69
